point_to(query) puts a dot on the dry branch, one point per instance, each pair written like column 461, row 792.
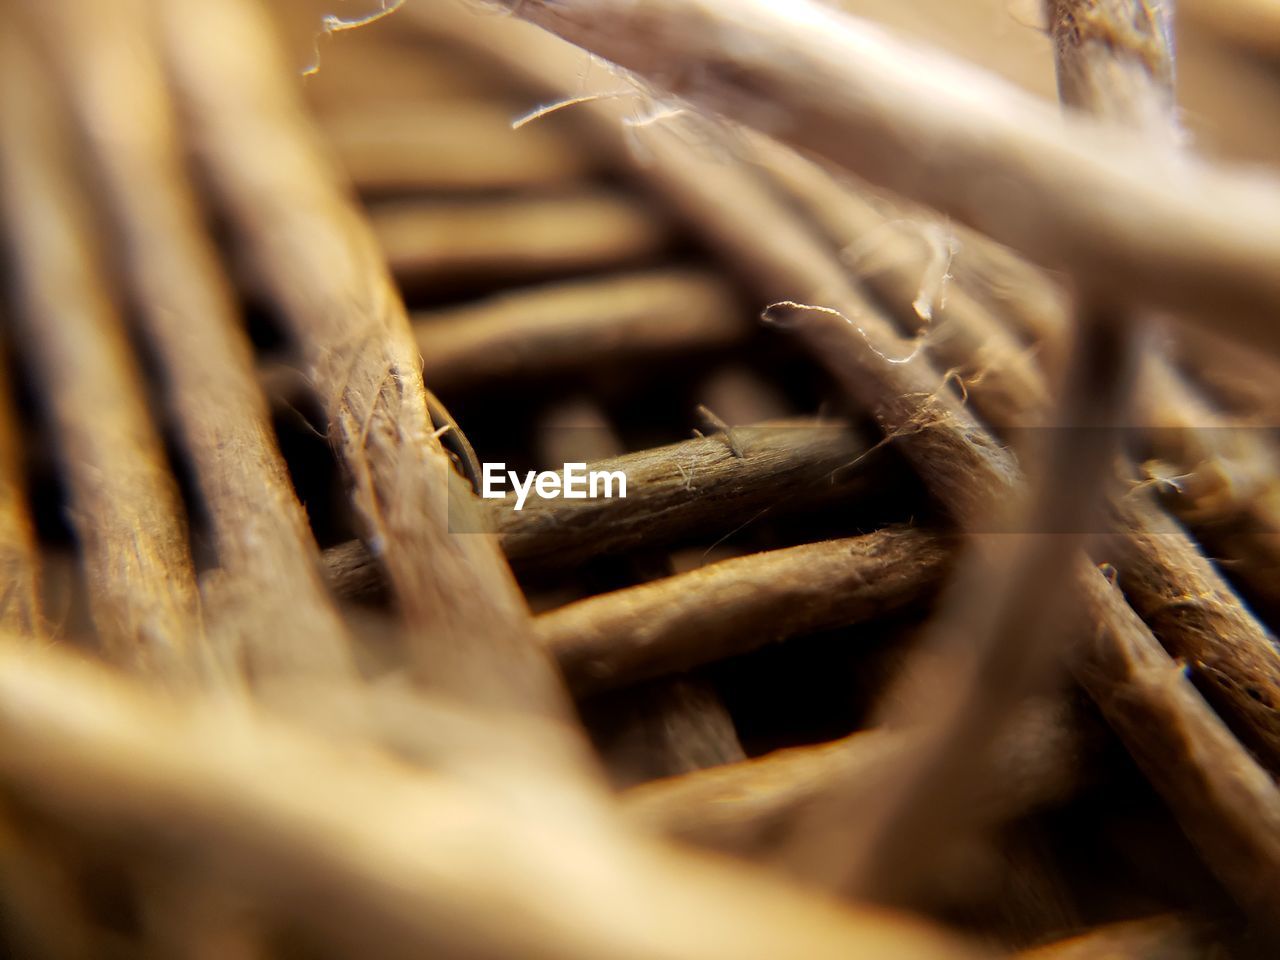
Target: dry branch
column 125, row 506
column 566, row 327
column 1130, row 221
column 745, row 808
column 577, row 325
column 457, row 146
column 673, row 492
column 1227, row 805
column 733, row 607
column 517, row 237
column 1201, row 621
column 669, row 727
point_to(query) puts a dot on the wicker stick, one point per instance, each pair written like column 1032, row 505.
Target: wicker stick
column 20, row 614
column 125, row 506
column 696, row 188
column 450, row 146
column 565, row 327
column 405, row 865
column 1166, row 937
column 1227, row 805
column 745, row 808
column 739, row 605
column 270, row 571
column 1201, row 621
column 578, row 324
column 673, row 492
column 1224, row 480
column 1131, row 222
column 468, row 625
column 518, row 237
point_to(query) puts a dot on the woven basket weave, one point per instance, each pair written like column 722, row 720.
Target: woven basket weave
column 278, row 681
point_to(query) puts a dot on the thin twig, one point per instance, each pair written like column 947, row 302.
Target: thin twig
column 514, row 237
column 739, row 605
column 747, row 808
column 661, row 729
column 689, row 489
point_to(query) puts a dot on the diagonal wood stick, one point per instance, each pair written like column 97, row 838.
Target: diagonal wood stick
column 269, row 578
column 125, row 506
column 1131, row 222
column 468, row 627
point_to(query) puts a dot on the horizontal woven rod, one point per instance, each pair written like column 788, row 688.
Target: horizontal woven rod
column 448, row 146
column 742, row 808
column 1131, row 221
column 738, row 605
column 514, row 238
column 578, row 324
column 697, row 487
column 401, row 864
column 555, row 328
